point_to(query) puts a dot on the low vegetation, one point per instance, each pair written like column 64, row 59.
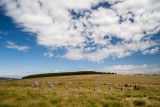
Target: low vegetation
column 80, row 91
column 139, row 103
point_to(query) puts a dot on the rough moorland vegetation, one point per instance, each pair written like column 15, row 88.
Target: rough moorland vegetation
column 82, row 91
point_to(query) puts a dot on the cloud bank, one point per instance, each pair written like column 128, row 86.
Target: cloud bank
column 133, row 69
column 90, row 29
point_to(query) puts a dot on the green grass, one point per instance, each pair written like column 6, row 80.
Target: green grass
column 21, row 94
column 139, row 103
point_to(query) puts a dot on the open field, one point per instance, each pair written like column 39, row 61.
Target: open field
column 80, row 91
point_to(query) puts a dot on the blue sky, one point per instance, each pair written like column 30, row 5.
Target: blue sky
column 104, row 35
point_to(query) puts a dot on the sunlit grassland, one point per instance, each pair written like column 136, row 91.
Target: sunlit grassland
column 20, row 93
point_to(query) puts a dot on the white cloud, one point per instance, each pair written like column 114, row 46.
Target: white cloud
column 12, row 45
column 119, row 31
column 48, row 54
column 151, row 51
column 74, row 54
column 133, row 69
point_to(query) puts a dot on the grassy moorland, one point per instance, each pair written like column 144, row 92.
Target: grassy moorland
column 80, row 92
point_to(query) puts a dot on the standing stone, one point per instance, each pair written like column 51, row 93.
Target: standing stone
column 121, row 88
column 110, row 88
column 130, row 88
column 50, row 85
column 96, row 89
column 66, row 87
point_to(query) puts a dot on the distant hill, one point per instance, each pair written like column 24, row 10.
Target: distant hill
column 64, row 74
column 5, row 78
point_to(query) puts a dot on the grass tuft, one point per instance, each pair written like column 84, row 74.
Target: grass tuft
column 139, row 103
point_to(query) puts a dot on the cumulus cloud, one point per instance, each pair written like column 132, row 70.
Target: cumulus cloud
column 119, row 30
column 74, row 54
column 12, row 45
column 133, row 69
column 48, row 54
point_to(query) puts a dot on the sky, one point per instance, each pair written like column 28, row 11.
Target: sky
column 43, row 36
